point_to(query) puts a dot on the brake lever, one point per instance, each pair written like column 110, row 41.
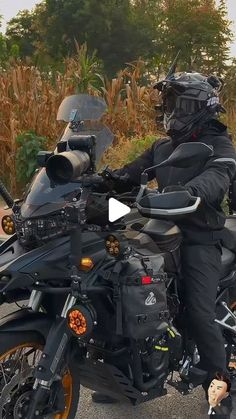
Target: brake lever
column 111, row 175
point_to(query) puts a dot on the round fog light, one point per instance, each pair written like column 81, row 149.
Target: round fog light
column 8, row 225
column 81, row 320
column 112, row 245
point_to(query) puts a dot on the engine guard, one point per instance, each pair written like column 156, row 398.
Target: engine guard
column 107, row 379
column 24, row 321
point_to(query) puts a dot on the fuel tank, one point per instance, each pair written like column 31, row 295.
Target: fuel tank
column 47, row 262
column 167, row 236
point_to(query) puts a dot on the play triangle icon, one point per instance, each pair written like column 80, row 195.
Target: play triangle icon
column 117, row 210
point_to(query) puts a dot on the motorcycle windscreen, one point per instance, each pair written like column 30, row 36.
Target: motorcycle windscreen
column 43, row 197
column 104, row 136
column 88, row 109
column 81, row 107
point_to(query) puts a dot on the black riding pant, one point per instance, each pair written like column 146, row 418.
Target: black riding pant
column 201, row 273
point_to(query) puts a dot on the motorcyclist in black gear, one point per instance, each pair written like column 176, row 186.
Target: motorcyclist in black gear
column 190, row 104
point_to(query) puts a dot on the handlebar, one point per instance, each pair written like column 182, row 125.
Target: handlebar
column 168, row 205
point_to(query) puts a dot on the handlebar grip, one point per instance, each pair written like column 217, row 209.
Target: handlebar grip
column 6, row 195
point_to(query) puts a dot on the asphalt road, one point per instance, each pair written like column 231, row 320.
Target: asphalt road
column 171, row 406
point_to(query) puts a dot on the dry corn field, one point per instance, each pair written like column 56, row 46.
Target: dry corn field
column 29, row 100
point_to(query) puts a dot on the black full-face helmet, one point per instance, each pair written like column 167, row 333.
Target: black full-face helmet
column 189, row 100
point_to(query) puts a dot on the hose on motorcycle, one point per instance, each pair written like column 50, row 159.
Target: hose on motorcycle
column 6, row 195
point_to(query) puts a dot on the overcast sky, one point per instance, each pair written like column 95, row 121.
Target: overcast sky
column 9, row 8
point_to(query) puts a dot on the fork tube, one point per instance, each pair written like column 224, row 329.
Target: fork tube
column 35, row 300
column 70, row 301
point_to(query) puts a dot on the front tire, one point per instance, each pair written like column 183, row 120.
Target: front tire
column 19, row 354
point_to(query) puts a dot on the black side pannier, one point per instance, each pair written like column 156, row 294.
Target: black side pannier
column 140, row 297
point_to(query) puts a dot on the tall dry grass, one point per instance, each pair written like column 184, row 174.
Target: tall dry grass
column 29, row 100
column 130, row 104
column 228, row 98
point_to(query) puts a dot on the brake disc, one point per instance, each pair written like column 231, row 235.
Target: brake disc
column 12, row 390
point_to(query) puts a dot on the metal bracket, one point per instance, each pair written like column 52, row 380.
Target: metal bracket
column 230, row 315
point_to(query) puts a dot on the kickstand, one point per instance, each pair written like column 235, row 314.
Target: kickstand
column 181, row 386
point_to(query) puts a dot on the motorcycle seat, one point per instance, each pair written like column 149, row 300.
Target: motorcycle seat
column 228, row 259
column 230, row 225
column 164, row 233
column 229, row 234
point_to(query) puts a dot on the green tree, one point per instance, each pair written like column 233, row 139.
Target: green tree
column 121, row 31
column 202, row 32
column 21, row 34
column 3, row 50
column 3, row 47
column 109, row 27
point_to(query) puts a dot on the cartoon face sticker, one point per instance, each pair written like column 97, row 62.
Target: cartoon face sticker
column 217, row 392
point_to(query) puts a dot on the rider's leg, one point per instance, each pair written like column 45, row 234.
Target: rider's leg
column 201, row 271
column 201, row 274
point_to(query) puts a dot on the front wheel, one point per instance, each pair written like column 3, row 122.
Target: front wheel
column 19, row 355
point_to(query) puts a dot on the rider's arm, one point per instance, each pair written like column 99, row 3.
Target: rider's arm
column 137, row 166
column 213, row 183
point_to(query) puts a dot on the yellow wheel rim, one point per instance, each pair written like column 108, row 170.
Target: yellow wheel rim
column 232, row 362
column 67, row 381
column 67, row 385
column 233, row 306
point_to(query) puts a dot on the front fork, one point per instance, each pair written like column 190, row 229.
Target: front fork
column 50, row 362
column 35, row 300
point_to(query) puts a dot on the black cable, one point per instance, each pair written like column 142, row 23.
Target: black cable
column 6, row 195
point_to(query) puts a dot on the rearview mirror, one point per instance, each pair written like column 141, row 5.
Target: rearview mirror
column 187, row 154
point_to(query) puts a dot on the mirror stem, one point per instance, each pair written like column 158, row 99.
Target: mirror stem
column 163, row 163
column 144, row 181
column 144, row 178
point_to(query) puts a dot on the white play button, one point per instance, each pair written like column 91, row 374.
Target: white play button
column 117, row 210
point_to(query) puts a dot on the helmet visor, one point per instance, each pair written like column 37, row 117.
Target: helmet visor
column 179, row 105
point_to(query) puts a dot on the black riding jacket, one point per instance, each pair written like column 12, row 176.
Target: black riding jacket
column 210, row 181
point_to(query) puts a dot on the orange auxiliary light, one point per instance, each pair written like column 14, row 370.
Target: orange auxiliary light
column 112, row 245
column 81, row 320
column 8, row 225
column 86, row 264
column 77, row 322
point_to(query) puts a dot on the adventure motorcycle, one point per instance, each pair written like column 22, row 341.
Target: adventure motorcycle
column 104, row 298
